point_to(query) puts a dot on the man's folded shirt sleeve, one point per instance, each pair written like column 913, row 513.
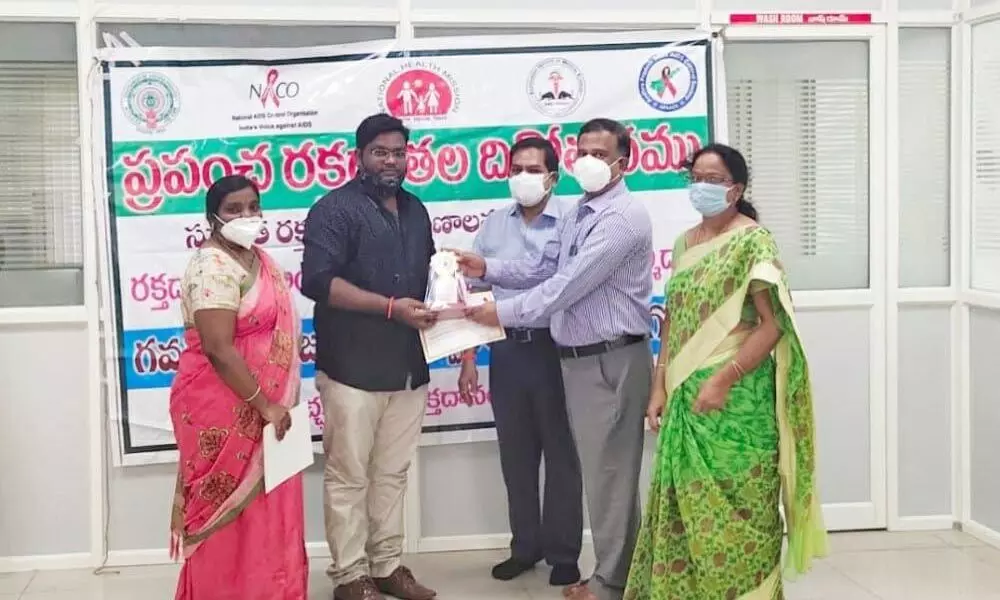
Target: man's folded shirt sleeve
column 326, row 244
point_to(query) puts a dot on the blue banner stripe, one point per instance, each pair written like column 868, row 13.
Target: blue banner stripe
column 150, row 356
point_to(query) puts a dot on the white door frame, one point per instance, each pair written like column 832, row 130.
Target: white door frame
column 871, row 514
column 970, row 298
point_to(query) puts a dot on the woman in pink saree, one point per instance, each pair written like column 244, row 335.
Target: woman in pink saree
column 239, row 371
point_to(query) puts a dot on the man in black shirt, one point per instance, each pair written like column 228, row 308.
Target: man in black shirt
column 367, row 250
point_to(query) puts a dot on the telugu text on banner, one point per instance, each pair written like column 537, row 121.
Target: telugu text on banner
column 175, row 121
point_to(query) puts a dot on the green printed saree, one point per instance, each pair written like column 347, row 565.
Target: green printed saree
column 712, row 529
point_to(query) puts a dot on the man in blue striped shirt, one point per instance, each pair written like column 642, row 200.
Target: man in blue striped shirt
column 526, row 386
column 595, row 285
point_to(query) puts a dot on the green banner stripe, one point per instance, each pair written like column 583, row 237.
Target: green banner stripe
column 444, row 164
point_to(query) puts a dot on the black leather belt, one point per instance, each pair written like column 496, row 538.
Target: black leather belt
column 526, row 335
column 600, row 347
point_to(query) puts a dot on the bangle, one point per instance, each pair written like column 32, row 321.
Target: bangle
column 388, row 310
column 660, row 367
column 469, row 354
column 738, row 368
column 253, row 397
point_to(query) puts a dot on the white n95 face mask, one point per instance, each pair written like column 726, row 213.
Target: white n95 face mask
column 593, row 174
column 242, row 231
column 528, row 189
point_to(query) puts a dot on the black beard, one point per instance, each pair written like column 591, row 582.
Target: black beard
column 377, row 188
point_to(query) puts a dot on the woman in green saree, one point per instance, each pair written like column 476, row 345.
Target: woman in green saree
column 732, row 394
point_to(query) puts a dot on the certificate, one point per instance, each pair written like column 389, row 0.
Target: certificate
column 293, row 454
column 451, row 336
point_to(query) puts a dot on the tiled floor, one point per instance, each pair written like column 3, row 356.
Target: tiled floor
column 862, row 566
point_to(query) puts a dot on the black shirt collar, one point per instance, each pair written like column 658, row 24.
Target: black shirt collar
column 403, row 197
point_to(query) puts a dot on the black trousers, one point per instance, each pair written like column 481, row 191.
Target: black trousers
column 529, row 406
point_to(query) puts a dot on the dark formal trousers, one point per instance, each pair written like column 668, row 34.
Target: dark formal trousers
column 529, row 406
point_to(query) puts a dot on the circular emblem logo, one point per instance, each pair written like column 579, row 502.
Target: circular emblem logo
column 419, row 91
column 668, row 82
column 151, row 102
column 556, row 87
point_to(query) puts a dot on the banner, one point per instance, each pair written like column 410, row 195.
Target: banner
column 177, row 119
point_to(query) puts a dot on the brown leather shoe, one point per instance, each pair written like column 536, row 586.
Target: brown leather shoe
column 362, row 588
column 579, row 591
column 404, row 586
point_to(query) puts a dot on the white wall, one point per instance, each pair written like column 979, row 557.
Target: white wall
column 882, row 357
column 141, row 501
column 45, row 497
column 925, row 411
column 984, row 342
column 47, row 434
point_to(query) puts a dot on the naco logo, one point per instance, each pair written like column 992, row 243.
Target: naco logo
column 274, row 89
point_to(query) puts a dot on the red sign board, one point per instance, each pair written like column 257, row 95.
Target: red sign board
column 800, row 18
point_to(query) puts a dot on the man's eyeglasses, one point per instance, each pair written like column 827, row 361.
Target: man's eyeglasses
column 383, row 154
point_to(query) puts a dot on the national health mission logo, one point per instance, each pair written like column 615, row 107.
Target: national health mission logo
column 151, row 102
column 668, row 82
column 419, row 91
column 556, row 87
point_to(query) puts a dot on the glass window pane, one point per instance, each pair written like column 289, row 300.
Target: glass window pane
column 41, row 232
column 200, row 35
column 243, row 4
column 926, row 5
column 986, row 157
column 799, row 112
column 757, row 6
column 454, row 31
column 924, row 157
column 38, row 42
column 622, row 6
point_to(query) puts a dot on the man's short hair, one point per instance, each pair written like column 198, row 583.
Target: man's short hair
column 376, row 125
column 537, row 143
column 613, row 127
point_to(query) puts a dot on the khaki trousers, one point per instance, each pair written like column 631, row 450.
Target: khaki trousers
column 369, row 440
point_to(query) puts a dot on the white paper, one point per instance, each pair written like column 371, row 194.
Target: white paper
column 292, row 455
column 451, row 336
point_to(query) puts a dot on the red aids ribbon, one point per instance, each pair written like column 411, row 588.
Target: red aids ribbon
column 269, row 91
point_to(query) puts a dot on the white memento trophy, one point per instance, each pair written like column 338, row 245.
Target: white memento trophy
column 446, row 292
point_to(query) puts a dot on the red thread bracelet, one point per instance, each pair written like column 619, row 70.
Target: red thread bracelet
column 388, row 311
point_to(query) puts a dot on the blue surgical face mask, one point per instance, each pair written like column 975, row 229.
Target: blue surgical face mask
column 710, row 199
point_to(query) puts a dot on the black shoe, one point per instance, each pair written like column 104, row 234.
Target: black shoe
column 511, row 568
column 564, row 575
